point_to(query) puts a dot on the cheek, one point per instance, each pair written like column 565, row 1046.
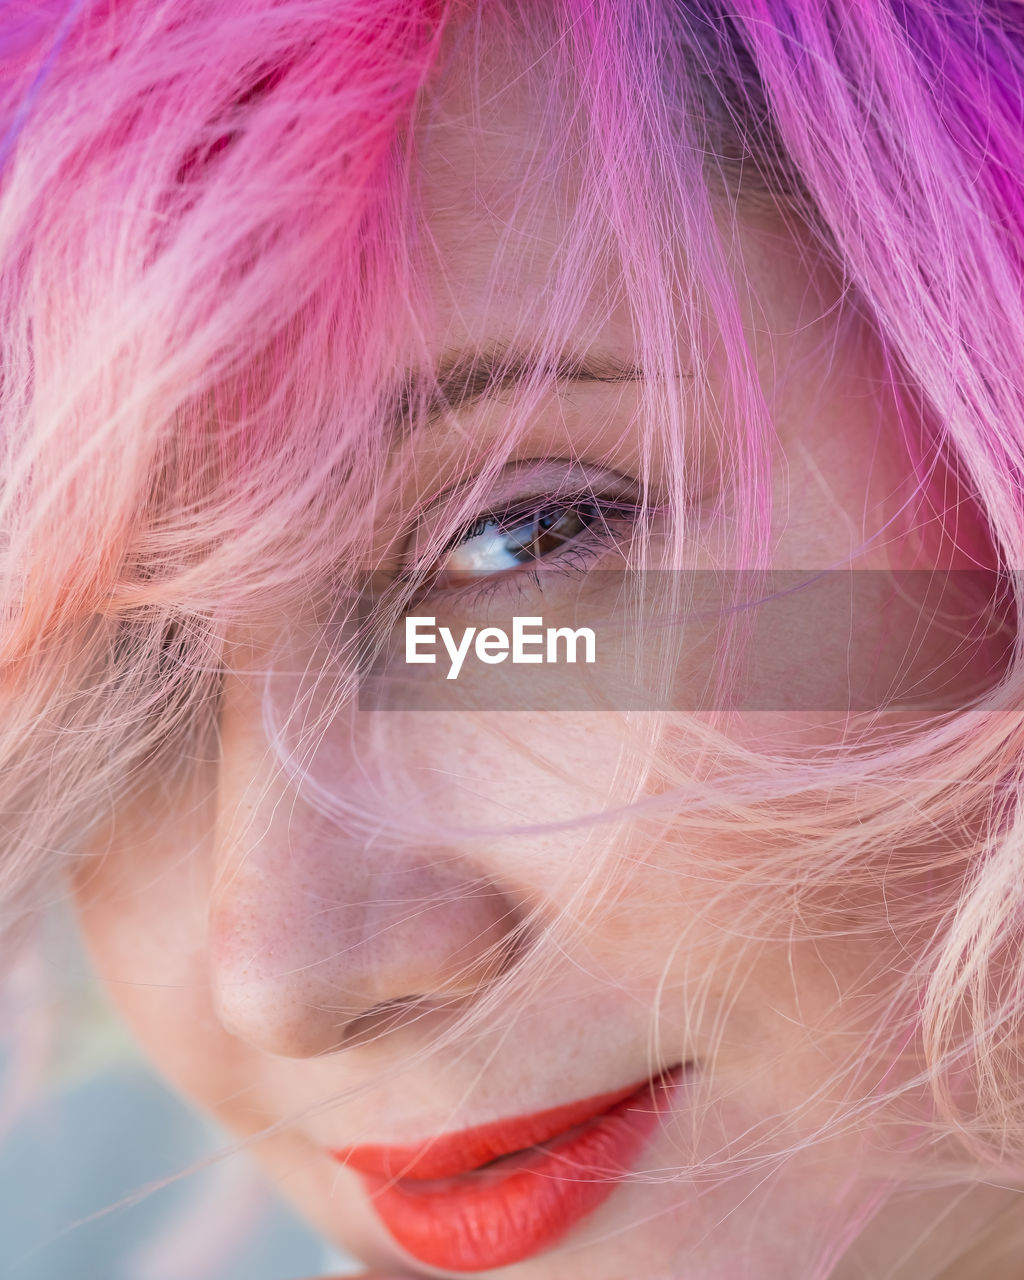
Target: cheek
column 142, row 906
column 535, row 776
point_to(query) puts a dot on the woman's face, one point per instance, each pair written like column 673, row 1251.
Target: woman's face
column 270, row 958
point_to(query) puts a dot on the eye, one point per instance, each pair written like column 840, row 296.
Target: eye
column 542, row 512
column 520, row 536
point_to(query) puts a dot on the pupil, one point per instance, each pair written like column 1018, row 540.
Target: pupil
column 551, row 529
column 496, row 542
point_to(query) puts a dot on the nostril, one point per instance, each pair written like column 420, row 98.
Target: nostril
column 410, row 947
column 385, row 1017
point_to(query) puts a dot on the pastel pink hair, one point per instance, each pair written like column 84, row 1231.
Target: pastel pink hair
column 211, row 277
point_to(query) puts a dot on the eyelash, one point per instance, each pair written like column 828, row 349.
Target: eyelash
column 576, row 556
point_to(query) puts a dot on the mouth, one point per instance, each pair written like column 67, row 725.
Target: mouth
column 505, row 1191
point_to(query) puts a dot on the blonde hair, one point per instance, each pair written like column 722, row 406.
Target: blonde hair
column 211, row 267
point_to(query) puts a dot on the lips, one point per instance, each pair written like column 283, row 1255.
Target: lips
column 502, row 1192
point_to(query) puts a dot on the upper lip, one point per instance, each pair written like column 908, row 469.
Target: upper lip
column 449, row 1154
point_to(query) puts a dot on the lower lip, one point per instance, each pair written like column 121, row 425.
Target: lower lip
column 520, row 1205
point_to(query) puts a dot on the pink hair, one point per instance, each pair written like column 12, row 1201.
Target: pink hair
column 212, row 273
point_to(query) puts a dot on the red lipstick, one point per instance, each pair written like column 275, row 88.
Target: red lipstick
column 504, row 1191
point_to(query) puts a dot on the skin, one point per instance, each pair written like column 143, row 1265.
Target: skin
column 250, row 945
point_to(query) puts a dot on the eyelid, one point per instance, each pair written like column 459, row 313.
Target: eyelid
column 524, row 508
column 528, row 482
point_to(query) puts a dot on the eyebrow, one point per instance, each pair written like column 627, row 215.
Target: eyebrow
column 463, row 378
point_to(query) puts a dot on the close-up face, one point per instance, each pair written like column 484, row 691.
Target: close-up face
column 358, row 927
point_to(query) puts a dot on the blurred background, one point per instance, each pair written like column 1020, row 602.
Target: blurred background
column 87, row 1125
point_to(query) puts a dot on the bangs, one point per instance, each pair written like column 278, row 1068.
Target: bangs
column 221, row 292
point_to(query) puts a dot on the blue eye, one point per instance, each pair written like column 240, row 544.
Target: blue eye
column 560, row 515
column 496, row 542
column 561, row 532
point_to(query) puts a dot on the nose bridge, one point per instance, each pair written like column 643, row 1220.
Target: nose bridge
column 309, row 932
column 312, row 926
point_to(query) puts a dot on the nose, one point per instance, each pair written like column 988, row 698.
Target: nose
column 316, row 947
column 318, row 938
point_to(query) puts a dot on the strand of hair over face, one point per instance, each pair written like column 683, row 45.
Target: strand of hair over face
column 211, row 284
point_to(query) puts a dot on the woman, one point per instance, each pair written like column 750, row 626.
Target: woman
column 337, row 333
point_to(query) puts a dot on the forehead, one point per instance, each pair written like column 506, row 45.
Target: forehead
column 499, row 185
column 519, row 248
column 483, row 125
